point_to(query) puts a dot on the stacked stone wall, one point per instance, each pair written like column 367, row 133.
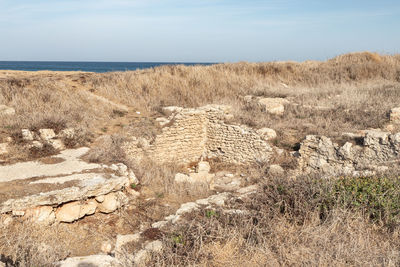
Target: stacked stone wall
column 202, row 133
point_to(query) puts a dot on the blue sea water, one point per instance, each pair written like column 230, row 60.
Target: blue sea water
column 84, row 66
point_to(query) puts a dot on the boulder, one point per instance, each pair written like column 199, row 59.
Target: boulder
column 6, row 110
column 395, row 115
column 69, row 212
column 47, row 134
column 273, row 106
column 267, row 133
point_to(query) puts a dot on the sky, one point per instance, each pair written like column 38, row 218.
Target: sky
column 195, row 30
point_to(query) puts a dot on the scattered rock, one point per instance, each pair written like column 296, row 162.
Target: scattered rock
column 57, row 144
column 47, row 134
column 267, row 133
column 36, row 144
column 395, row 115
column 69, row 212
column 27, row 135
column 273, row 105
column 6, row 110
column 276, row 170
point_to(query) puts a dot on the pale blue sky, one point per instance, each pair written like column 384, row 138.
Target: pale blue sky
column 195, row 31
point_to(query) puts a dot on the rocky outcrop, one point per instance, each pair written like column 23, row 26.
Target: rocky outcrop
column 202, row 133
column 62, row 188
column 376, row 151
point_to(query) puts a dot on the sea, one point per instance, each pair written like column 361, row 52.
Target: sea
column 85, row 66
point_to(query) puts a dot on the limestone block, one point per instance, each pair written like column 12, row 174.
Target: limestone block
column 27, row 135
column 69, row 212
column 47, row 134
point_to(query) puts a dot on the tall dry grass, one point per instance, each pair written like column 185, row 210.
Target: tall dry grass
column 347, row 93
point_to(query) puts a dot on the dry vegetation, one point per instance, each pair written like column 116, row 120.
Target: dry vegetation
column 356, row 90
column 301, row 222
column 308, row 222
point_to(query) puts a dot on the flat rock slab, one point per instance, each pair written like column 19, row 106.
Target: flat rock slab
column 89, row 261
column 56, row 180
column 67, row 162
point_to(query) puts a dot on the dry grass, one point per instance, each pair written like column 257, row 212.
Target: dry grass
column 357, row 91
column 27, row 245
column 284, row 226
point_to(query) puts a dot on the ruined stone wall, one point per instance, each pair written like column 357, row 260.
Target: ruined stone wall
column 232, row 143
column 184, row 140
column 377, row 152
column 197, row 133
